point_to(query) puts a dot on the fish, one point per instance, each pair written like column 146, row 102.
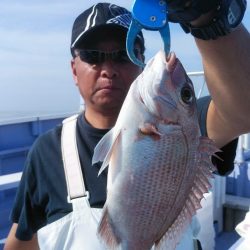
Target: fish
column 159, row 165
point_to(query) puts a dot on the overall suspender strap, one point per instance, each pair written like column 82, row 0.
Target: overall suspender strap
column 71, row 161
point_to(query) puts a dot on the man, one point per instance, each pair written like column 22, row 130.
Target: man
column 103, row 75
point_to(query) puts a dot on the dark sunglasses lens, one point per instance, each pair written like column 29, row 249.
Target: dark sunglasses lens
column 91, row 56
column 120, row 56
column 95, row 56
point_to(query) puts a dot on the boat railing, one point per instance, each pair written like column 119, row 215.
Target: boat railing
column 202, row 83
column 228, row 191
column 17, row 134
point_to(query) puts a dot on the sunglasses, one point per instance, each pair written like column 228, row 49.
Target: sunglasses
column 98, row 56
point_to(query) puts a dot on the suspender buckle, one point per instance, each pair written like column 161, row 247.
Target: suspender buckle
column 69, row 199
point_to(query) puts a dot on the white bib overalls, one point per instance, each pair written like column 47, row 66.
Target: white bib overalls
column 77, row 230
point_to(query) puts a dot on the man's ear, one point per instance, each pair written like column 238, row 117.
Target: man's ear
column 74, row 73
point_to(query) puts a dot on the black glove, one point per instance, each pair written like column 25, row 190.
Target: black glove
column 185, row 11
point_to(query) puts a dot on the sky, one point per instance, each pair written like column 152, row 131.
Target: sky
column 35, row 74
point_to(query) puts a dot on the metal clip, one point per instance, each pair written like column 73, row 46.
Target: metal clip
column 149, row 15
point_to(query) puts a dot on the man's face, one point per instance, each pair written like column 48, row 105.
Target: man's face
column 104, row 85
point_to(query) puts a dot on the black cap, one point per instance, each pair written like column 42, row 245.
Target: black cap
column 100, row 15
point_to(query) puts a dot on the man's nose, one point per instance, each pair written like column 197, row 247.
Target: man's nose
column 109, row 69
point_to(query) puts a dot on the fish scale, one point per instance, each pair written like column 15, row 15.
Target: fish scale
column 159, row 165
column 162, row 175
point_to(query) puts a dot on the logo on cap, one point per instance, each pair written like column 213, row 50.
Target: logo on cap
column 123, row 20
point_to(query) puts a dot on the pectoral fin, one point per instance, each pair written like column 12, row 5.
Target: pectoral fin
column 104, row 148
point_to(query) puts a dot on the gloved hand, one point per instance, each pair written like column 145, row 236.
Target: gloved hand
column 185, row 11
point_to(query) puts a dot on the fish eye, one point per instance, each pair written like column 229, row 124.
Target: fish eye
column 187, row 95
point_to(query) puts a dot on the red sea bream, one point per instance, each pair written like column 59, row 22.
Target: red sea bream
column 159, row 164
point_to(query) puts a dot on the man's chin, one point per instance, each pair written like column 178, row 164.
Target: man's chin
column 110, row 102
column 110, row 107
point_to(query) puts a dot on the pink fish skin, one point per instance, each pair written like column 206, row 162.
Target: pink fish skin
column 159, row 165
